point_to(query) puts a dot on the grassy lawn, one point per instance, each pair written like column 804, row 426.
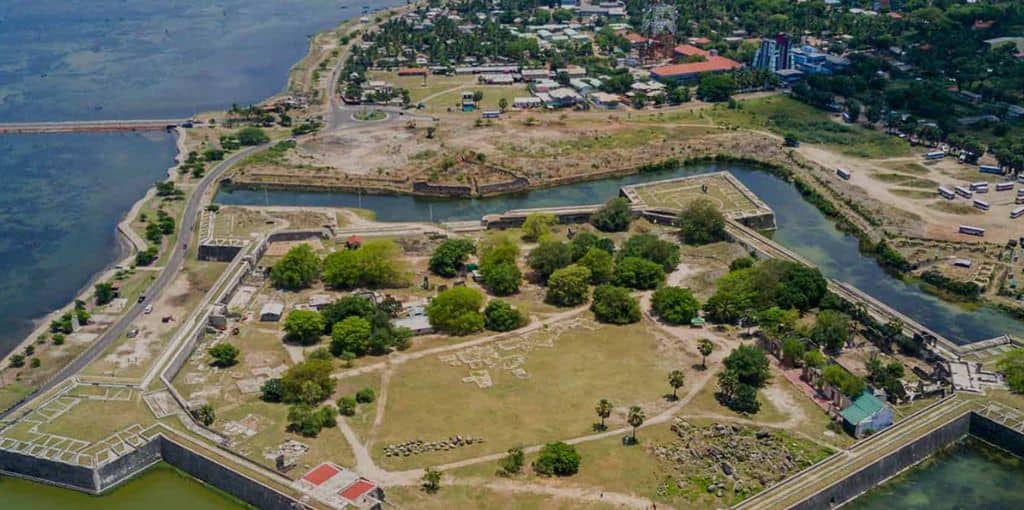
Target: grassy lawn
column 429, row 401
column 492, row 95
column 362, row 422
column 783, row 115
column 461, row 496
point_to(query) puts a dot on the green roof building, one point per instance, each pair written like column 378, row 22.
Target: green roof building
column 865, row 415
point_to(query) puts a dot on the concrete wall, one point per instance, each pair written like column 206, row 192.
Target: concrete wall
column 47, row 471
column 225, row 479
column 127, row 466
column 867, row 478
column 999, row 435
column 218, row 253
column 442, row 190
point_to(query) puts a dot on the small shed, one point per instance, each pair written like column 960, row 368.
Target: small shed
column 271, row 312
column 867, row 414
column 353, row 242
column 319, row 301
column 418, row 324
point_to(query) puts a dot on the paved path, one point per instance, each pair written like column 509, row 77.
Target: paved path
column 89, row 125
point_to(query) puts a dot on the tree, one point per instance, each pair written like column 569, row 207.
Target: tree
column 600, row 263
column 705, row 347
column 849, row 384
column 538, row 225
column 513, row 462
column 582, row 242
column 224, row 354
column 775, row 322
column 635, row 418
column 347, row 406
column 502, row 279
column 615, row 305
column 431, row 480
column 638, row 273
column 793, row 350
column 450, row 256
column 831, row 330
column 457, row 311
column 741, row 263
column 615, row 216
column 814, row 358
column 501, row 316
column 675, row 305
column 568, row 286
column 701, row 223
column 251, row 136
column 603, row 410
column 308, row 382
column 649, row 247
column 676, row 379
column 298, row 269
column 503, row 104
column 17, row 360
column 304, row 326
column 716, row 87
column 348, row 306
column 272, row 390
column 104, row 293
column 557, row 459
column 374, row 264
column 366, row 395
column 548, row 257
column 1012, row 367
column 353, row 335
column 306, row 420
column 749, row 364
column 205, row 414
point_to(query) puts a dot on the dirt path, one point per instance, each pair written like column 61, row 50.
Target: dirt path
column 575, row 493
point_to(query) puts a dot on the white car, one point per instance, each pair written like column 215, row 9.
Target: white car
column 148, row 309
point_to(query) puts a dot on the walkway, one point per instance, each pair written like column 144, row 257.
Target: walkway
column 90, row 125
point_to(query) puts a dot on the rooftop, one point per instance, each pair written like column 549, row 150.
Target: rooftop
column 712, row 64
column 862, row 407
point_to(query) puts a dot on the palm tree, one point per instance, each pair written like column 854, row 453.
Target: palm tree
column 636, row 418
column 676, row 379
column 604, row 410
column 705, row 347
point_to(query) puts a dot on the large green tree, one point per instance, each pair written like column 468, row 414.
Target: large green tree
column 831, row 330
column 375, row 264
column 298, row 269
column 450, row 256
column 638, row 273
column 615, row 216
column 457, row 311
column 304, row 326
column 701, row 223
column 615, row 305
column 675, row 305
column 568, row 286
column 600, row 263
column 649, row 247
column 353, row 334
column 548, row 257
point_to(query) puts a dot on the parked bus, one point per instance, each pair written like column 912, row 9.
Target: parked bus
column 1004, row 186
column 981, row 204
column 491, row 114
column 972, row 231
column 979, row 187
column 990, row 169
column 1019, row 199
column 964, row 192
column 844, row 174
column 1017, row 212
column 934, row 155
column 946, row 193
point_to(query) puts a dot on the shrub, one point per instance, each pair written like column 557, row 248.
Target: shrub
column 272, row 390
column 702, row 223
column 741, row 263
column 675, row 305
column 749, row 364
column 548, row 257
column 638, row 273
column 582, row 242
column 351, row 335
column 649, row 247
column 205, row 414
column 347, row 406
column 600, row 263
column 304, row 326
column 450, row 256
column 501, row 316
column 374, row 264
column 1012, row 367
column 568, row 286
column 308, row 382
column 251, row 136
column 224, row 354
column 615, row 216
column 512, row 464
column 298, row 269
column 615, row 305
column 558, row 459
column 366, row 395
column 831, row 329
column 538, row 225
column 457, row 311
column 306, row 420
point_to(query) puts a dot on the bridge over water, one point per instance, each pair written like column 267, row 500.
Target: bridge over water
column 90, row 126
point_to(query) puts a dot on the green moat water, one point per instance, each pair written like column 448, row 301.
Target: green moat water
column 160, row 488
column 968, row 475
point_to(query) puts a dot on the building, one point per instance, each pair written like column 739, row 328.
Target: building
column 413, row 71
column 271, row 312
column 563, row 98
column 418, row 324
column 604, row 100
column 523, row 103
column 535, row 74
column 319, row 301
column 338, row 487
column 789, row 76
column 690, row 73
column 865, row 415
column 774, row 54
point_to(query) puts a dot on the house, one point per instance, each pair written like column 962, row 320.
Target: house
column 271, row 312
column 319, row 301
column 865, row 415
column 338, row 487
column 604, row 100
column 418, row 324
column 523, row 103
column 496, row 79
column 689, row 50
column 789, row 76
column 535, row 74
column 690, row 73
column 563, row 98
column 636, row 40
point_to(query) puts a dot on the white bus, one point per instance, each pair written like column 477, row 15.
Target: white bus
column 964, row 192
column 1017, row 212
column 981, row 204
column 990, row 169
column 946, row 193
column 935, row 155
column 1004, row 186
column 973, row 231
column 844, row 174
column 979, row 187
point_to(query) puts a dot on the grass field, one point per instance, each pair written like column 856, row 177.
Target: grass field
column 429, row 401
column 677, row 194
column 783, row 115
column 438, row 93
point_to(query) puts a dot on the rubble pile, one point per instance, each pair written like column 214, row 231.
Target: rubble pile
column 417, row 446
column 728, row 460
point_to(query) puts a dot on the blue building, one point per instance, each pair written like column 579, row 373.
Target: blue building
column 774, row 54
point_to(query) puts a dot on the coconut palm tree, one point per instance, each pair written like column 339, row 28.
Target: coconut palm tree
column 604, row 410
column 705, row 347
column 635, row 419
column 676, row 379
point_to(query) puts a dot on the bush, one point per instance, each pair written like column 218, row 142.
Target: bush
column 1012, row 367
column 501, row 316
column 831, row 330
column 457, row 311
column 347, row 406
column 568, row 286
column 104, row 293
column 675, row 305
column 538, row 225
column 582, row 242
column 615, row 305
column 702, row 223
column 749, row 364
column 512, row 464
column 374, row 264
column 548, row 257
column 272, row 391
column 849, row 384
column 450, row 256
column 251, row 136
column 224, row 354
column 298, row 269
column 502, row 279
column 741, row 263
column 558, row 459
column 205, row 414
column 308, row 382
column 146, row 257
column 351, row 335
column 366, row 396
column 304, row 326
column 348, row 306
column 600, row 263
column 649, row 247
column 17, row 360
column 615, row 216
column 306, row 420
column 638, row 273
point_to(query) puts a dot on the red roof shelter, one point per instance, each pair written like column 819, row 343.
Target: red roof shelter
column 357, row 489
column 321, row 474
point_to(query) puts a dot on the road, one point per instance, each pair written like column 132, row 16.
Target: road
column 172, row 265
column 89, row 125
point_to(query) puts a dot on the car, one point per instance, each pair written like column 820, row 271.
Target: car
column 134, row 332
column 142, row 298
column 148, row 309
